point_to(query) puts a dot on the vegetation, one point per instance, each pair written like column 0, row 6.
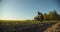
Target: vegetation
column 23, row 26
column 51, row 16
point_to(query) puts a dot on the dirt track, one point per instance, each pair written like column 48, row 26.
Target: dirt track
column 54, row 28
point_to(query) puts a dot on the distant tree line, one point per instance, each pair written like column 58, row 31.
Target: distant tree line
column 52, row 15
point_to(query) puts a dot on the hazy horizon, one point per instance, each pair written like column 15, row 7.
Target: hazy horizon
column 26, row 9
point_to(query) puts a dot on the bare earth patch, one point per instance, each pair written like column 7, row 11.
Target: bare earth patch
column 54, row 28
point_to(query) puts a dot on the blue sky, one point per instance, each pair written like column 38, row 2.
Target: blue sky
column 26, row 9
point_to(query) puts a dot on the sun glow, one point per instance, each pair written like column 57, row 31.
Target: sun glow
column 11, row 19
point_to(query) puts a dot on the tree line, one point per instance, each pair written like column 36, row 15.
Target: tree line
column 52, row 15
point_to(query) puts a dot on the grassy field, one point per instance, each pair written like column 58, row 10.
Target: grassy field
column 12, row 25
column 18, row 22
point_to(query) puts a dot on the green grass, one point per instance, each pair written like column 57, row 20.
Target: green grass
column 21, row 23
column 17, row 23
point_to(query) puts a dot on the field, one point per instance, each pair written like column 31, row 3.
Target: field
column 24, row 26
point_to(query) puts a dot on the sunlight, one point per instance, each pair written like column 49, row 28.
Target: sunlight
column 11, row 19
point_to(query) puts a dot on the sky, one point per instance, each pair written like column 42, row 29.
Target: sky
column 26, row 9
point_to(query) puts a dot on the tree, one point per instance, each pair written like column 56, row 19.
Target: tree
column 53, row 15
column 45, row 16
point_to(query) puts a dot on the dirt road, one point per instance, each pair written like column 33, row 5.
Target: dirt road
column 54, row 28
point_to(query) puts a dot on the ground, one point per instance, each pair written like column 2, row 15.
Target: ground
column 54, row 28
column 25, row 26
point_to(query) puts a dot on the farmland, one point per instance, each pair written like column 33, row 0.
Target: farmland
column 24, row 26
